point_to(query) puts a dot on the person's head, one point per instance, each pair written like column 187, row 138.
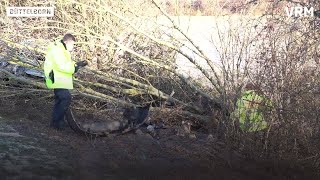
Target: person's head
column 250, row 86
column 253, row 87
column 69, row 40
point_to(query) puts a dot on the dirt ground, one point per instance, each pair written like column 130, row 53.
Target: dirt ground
column 30, row 150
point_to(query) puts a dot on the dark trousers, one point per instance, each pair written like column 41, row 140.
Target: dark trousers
column 62, row 98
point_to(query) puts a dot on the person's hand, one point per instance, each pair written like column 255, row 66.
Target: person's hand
column 79, row 65
column 82, row 63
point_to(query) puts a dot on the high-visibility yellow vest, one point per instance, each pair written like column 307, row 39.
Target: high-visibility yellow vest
column 58, row 61
column 249, row 111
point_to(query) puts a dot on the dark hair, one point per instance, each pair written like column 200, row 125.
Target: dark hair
column 68, row 37
column 250, row 86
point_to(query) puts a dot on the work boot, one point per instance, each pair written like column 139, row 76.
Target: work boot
column 56, row 126
column 63, row 124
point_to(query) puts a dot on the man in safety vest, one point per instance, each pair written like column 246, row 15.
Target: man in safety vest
column 59, row 70
column 250, row 109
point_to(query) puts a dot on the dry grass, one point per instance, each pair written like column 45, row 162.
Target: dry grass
column 285, row 64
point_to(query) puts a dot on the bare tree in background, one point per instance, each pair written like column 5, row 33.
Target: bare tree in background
column 132, row 62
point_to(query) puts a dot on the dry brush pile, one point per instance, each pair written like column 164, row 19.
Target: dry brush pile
column 132, row 61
